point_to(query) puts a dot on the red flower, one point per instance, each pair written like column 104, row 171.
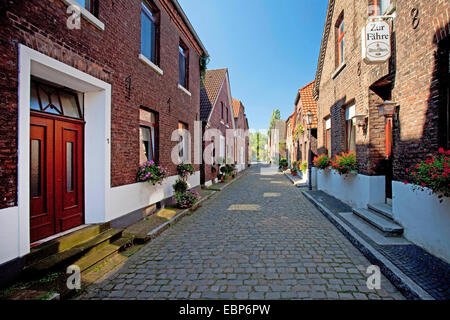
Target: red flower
column 423, row 184
column 407, row 170
column 428, row 161
column 441, row 150
column 406, row 181
column 418, row 166
column 447, row 152
column 444, row 174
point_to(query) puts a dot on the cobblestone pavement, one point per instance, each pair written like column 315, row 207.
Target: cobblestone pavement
column 258, row 239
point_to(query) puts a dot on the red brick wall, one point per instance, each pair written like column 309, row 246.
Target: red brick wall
column 111, row 55
column 216, row 120
column 414, row 86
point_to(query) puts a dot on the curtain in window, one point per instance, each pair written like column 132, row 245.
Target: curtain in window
column 147, row 148
column 182, row 66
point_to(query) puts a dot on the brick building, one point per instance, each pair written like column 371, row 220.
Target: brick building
column 304, row 102
column 291, row 146
column 392, row 113
column 216, row 114
column 92, row 102
column 241, row 142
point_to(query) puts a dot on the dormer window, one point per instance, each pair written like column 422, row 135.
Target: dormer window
column 340, row 41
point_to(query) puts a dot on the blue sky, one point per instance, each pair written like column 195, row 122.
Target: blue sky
column 270, row 47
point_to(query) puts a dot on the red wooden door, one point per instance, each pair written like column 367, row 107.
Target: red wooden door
column 42, row 214
column 68, row 175
column 56, row 176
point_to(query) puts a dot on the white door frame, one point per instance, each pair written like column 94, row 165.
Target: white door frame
column 97, row 152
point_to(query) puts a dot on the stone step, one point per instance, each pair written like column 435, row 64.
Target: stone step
column 67, row 257
column 63, row 243
column 382, row 208
column 388, row 227
column 95, row 256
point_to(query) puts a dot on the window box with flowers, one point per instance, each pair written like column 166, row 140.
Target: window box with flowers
column 421, row 204
column 322, row 162
column 345, row 163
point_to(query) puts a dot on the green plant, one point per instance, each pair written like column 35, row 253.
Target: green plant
column 187, row 199
column 322, row 161
column 433, row 173
column 298, row 130
column 203, row 62
column 185, row 170
column 283, row 163
column 304, row 166
column 345, row 163
column 180, row 186
column 151, row 172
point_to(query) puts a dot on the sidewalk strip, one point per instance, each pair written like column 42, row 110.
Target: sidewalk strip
column 404, row 284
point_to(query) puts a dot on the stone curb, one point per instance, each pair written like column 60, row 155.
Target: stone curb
column 296, row 183
column 402, row 282
column 243, row 173
column 158, row 230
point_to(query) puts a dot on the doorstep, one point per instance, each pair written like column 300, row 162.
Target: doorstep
column 150, row 227
column 415, row 272
column 296, row 180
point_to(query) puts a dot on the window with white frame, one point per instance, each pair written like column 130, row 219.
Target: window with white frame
column 350, row 128
column 183, row 151
column 150, row 31
column 147, row 134
column 183, row 64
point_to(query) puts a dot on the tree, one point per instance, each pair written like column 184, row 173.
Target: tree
column 276, row 115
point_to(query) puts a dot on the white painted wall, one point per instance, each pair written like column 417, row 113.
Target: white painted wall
column 425, row 220
column 131, row 197
column 9, row 234
column 356, row 190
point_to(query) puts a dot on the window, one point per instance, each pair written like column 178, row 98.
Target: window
column 89, row 5
column 340, row 42
column 148, row 133
column 328, row 136
column 213, row 153
column 150, row 32
column 221, row 112
column 378, row 7
column 227, row 114
column 444, row 86
column 183, row 64
column 350, row 129
column 183, row 151
column 55, row 100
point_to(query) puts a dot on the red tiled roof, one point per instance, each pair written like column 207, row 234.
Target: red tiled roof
column 308, row 101
column 236, row 107
column 209, row 90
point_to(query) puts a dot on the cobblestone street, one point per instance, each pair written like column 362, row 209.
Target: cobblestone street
column 260, row 238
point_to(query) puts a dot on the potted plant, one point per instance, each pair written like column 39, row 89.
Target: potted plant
column 294, row 168
column 180, row 186
column 185, row 170
column 345, row 163
column 283, row 163
column 304, row 167
column 187, row 199
column 151, row 172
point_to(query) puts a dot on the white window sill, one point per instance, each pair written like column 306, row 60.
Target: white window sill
column 154, row 67
column 338, row 70
column 184, row 90
column 86, row 14
column 222, row 122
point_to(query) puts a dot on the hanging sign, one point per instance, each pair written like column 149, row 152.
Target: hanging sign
column 376, row 42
